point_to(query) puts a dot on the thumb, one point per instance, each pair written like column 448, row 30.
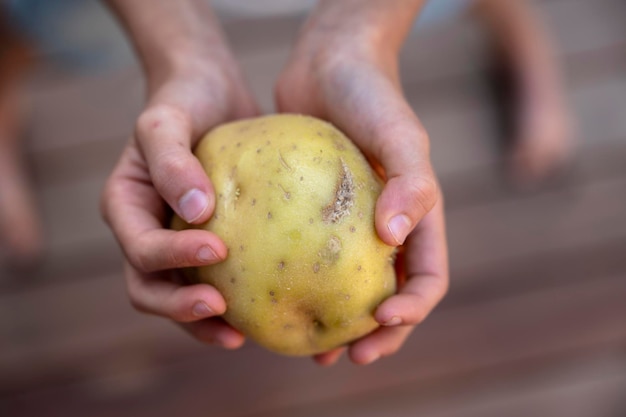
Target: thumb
column 164, row 135
column 411, row 189
column 389, row 133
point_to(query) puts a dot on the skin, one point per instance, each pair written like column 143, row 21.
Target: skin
column 343, row 69
column 193, row 85
column 543, row 138
column 20, row 227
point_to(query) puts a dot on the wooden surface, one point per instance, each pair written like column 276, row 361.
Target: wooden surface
column 535, row 322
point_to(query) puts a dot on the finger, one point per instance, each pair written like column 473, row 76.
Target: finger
column 136, row 214
column 383, row 125
column 382, row 342
column 215, row 331
column 426, row 266
column 164, row 135
column 329, row 358
column 410, row 191
column 159, row 295
column 161, row 249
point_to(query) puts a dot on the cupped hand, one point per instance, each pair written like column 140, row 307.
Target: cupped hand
column 157, row 173
column 352, row 81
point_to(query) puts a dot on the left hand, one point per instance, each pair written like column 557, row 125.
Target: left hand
column 350, row 78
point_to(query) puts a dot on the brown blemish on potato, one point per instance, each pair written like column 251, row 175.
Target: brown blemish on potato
column 269, row 215
column 281, row 265
column 344, row 197
column 330, row 253
column 352, row 229
column 316, row 267
column 286, row 193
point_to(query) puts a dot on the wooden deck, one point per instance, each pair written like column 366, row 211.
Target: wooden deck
column 535, row 322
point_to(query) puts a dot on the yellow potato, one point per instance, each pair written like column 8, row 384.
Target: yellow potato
column 295, row 206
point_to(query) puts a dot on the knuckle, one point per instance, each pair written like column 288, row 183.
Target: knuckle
column 136, row 304
column 391, row 349
column 419, row 315
column 158, row 115
column 138, row 256
column 105, row 197
column 424, row 192
column 134, row 297
column 179, row 251
column 445, row 288
column 177, row 311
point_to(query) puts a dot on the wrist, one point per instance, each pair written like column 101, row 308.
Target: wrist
column 172, row 37
column 366, row 24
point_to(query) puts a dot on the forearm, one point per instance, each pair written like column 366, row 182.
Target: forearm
column 382, row 25
column 167, row 33
column 524, row 41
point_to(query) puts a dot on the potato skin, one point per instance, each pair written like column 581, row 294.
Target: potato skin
column 295, row 206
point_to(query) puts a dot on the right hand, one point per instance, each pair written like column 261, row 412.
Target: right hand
column 157, row 169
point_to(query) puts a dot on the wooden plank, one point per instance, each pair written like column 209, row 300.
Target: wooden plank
column 456, row 341
column 79, row 110
column 591, row 387
column 104, row 107
column 521, row 228
column 583, row 25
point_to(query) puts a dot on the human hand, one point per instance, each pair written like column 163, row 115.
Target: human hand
column 187, row 96
column 344, row 70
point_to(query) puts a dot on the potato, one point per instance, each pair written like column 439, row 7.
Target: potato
column 295, row 206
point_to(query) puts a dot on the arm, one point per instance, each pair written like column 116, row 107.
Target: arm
column 542, row 142
column 193, row 85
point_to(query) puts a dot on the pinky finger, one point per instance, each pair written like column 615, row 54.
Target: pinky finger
column 215, row 331
column 329, row 358
column 384, row 341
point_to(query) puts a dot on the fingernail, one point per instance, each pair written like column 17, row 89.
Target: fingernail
column 206, row 254
column 193, row 204
column 201, row 309
column 399, row 226
column 373, row 358
column 394, row 321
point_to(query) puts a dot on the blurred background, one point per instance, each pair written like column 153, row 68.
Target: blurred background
column 535, row 321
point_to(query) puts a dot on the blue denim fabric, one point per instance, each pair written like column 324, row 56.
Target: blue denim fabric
column 78, row 34
column 437, row 11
